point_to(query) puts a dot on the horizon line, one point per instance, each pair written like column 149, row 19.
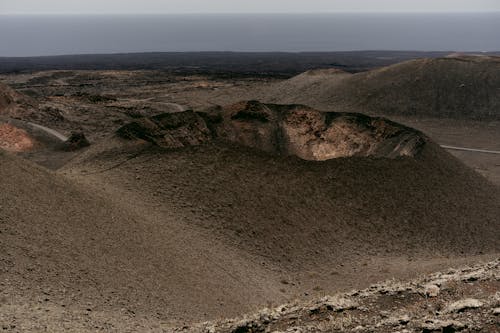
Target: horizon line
column 478, row 53
column 255, row 13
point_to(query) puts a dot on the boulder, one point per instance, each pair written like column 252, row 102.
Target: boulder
column 76, row 140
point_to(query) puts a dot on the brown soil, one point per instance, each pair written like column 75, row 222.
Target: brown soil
column 76, row 253
column 97, row 103
column 254, row 195
column 454, row 100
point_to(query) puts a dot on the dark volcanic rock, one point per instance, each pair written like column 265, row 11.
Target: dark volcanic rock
column 170, row 130
column 76, row 141
column 282, row 130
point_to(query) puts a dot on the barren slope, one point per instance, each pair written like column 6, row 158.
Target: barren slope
column 67, row 255
column 309, row 220
column 462, row 87
column 304, row 213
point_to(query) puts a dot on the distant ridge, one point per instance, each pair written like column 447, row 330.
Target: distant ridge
column 458, row 86
column 243, row 63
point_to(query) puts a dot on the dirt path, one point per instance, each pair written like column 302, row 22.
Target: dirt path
column 50, row 131
column 471, row 149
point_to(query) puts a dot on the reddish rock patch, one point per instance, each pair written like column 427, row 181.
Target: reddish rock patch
column 14, row 139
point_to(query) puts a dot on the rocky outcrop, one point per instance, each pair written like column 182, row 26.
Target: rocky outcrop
column 14, row 104
column 282, row 130
column 170, row 130
column 314, row 135
column 76, row 140
column 7, row 97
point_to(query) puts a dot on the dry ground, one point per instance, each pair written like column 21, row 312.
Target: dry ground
column 130, row 237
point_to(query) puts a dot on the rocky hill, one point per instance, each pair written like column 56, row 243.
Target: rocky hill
column 301, row 217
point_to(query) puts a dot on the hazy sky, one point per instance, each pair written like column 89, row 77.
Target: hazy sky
column 240, row 6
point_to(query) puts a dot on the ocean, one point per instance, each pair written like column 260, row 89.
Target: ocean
column 30, row 35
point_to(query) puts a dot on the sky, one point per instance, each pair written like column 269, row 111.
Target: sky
column 240, row 6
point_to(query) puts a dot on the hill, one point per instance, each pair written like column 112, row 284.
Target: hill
column 308, row 219
column 139, row 233
column 461, row 87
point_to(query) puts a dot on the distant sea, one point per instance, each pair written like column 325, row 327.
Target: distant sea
column 78, row 34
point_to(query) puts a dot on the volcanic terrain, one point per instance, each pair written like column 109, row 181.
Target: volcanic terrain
column 175, row 216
